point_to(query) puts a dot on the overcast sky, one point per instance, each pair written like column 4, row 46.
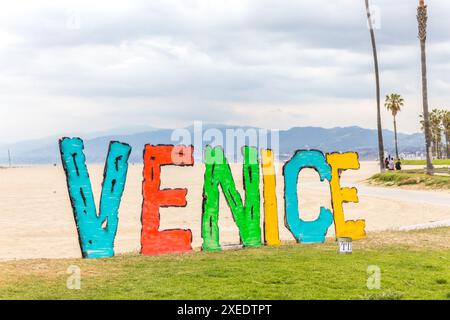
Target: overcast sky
column 85, row 66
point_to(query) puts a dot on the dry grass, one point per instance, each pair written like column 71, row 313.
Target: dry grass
column 413, row 240
column 52, row 269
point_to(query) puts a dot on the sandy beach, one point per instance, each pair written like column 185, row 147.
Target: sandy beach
column 36, row 219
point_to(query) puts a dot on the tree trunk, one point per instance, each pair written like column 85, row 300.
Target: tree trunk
column 377, row 80
column 447, row 140
column 395, row 138
column 426, row 115
column 438, row 144
column 434, row 148
column 422, row 22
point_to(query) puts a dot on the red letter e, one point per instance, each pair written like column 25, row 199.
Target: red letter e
column 153, row 241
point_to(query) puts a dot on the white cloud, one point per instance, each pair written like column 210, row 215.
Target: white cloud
column 272, row 63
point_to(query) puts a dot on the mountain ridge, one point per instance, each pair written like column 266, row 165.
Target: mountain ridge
column 337, row 139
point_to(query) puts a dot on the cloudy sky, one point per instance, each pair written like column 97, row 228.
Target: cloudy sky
column 86, row 66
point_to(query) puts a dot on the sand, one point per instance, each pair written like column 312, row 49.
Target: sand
column 36, row 219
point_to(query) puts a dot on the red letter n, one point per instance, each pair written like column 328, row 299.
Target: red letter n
column 153, row 241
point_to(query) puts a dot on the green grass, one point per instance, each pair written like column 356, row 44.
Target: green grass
column 441, row 180
column 437, row 162
column 290, row 272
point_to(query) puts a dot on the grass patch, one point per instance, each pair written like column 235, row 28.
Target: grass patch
column 411, row 268
column 437, row 162
column 441, row 180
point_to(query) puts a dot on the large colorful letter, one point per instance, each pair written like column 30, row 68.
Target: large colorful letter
column 96, row 232
column 247, row 218
column 271, row 232
column 305, row 231
column 153, row 241
column 351, row 229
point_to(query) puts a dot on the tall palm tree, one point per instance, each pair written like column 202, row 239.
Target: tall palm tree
column 446, row 126
column 422, row 18
column 394, row 103
column 377, row 80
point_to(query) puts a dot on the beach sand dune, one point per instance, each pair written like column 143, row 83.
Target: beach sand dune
column 36, row 219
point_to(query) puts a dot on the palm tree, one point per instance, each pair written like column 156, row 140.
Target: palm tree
column 377, row 80
column 436, row 131
column 435, row 121
column 422, row 18
column 446, row 127
column 394, row 104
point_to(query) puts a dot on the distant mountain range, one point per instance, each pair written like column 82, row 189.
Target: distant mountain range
column 363, row 141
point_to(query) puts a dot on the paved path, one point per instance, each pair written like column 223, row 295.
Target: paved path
column 437, row 198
